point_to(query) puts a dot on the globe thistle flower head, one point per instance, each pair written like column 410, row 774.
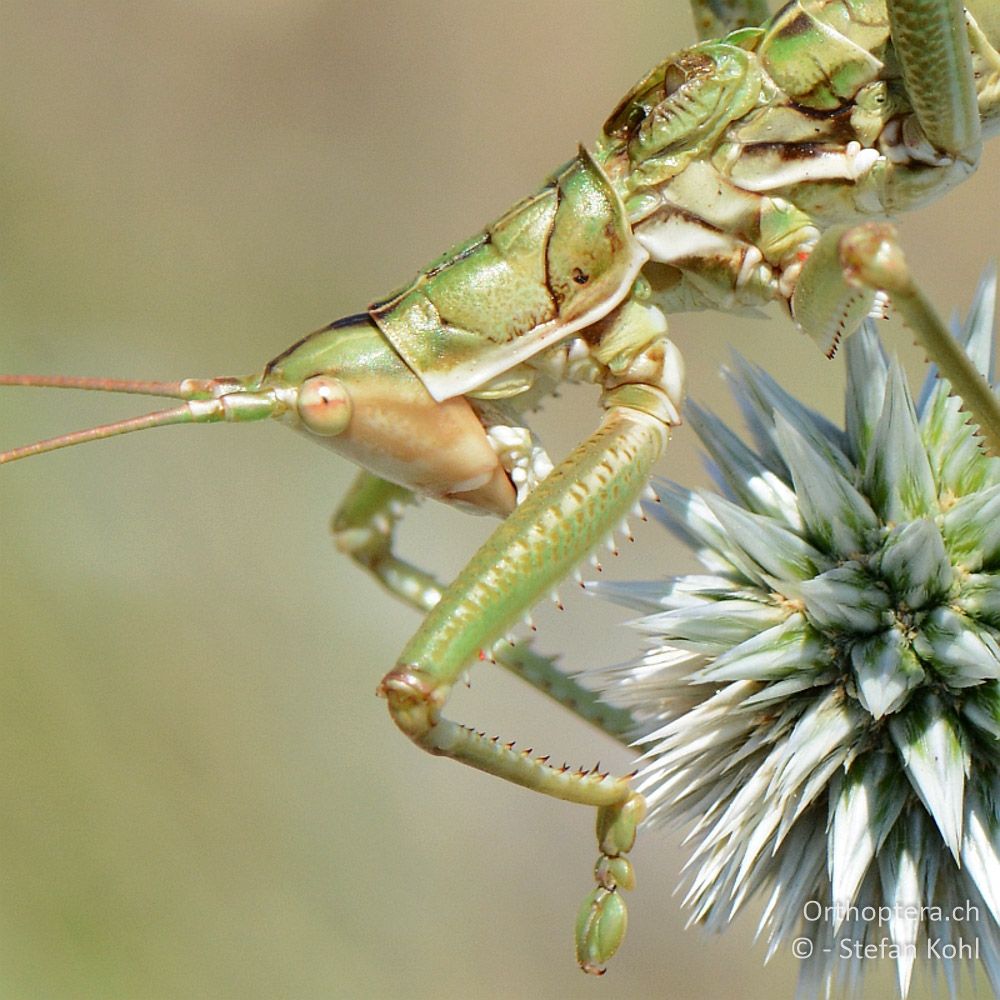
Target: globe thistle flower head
column 824, row 700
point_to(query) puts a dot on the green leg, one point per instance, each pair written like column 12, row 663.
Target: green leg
column 715, row 18
column 581, row 502
column 364, row 528
column 871, row 256
column 932, row 44
column 848, row 265
column 837, row 287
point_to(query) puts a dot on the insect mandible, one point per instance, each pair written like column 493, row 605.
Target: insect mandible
column 572, row 284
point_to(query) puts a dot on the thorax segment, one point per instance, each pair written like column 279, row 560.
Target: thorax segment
column 732, row 155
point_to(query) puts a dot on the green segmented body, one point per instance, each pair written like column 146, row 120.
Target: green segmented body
column 732, row 156
column 729, row 158
column 821, row 55
column 555, row 263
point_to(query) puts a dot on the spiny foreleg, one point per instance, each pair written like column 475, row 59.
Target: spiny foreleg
column 364, row 528
column 579, row 505
column 847, row 270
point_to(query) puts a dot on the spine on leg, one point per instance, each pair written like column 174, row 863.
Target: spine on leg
column 581, row 502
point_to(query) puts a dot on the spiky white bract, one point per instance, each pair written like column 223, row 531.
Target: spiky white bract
column 824, row 703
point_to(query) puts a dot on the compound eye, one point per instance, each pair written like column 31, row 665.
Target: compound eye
column 324, row 405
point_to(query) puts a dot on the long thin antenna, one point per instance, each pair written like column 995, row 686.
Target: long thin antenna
column 189, row 388
column 161, row 418
column 206, row 401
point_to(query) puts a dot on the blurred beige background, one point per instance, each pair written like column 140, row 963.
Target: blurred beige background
column 200, row 795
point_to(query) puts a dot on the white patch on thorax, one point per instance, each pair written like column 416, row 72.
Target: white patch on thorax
column 772, row 170
column 675, row 237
